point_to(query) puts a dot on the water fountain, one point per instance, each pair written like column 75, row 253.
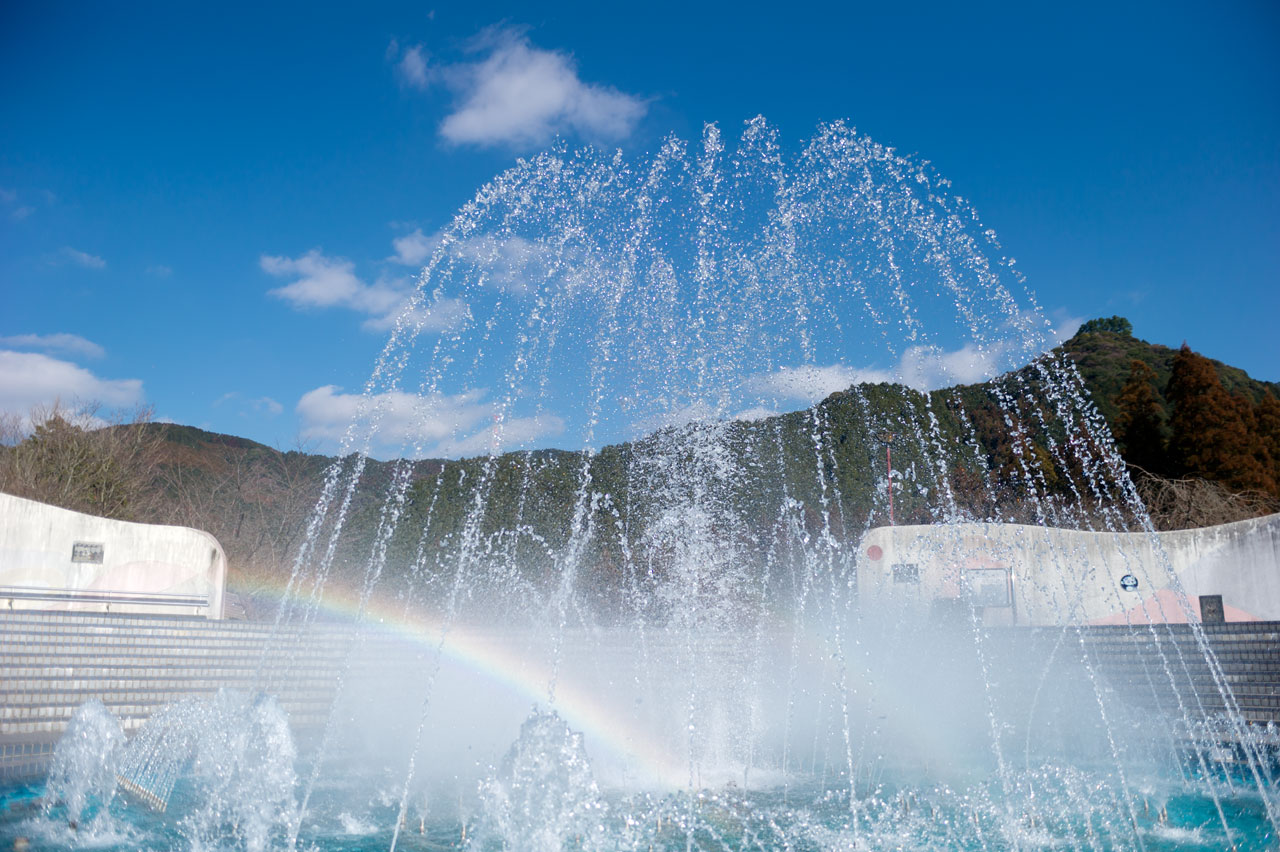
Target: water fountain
column 655, row 640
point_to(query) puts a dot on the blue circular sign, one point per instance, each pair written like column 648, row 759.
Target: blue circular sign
column 1128, row 582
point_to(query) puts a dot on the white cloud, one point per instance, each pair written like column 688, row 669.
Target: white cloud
column 678, row 416
column 326, row 413
column 810, row 383
column 160, row 270
column 440, row 424
column 81, row 258
column 327, row 282
column 18, row 212
column 71, row 343
column 261, row 405
column 928, row 367
column 324, row 282
column 1064, row 325
column 412, row 67
column 511, row 263
column 919, row 367
column 267, row 404
column 519, row 94
column 413, row 249
column 758, row 412
column 438, row 316
column 30, row 379
column 515, row 433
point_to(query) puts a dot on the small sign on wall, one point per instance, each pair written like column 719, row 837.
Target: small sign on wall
column 87, row 551
column 1211, row 611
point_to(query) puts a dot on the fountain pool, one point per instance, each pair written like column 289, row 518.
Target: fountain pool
column 654, row 639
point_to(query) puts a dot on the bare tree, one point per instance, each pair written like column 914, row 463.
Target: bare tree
column 82, row 459
column 1179, row 504
column 254, row 500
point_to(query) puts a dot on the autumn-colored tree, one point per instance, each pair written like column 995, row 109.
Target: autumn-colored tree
column 1267, row 416
column 1214, row 435
column 1140, row 423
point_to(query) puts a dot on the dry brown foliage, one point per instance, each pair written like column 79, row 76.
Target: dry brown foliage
column 256, row 504
column 83, row 459
column 1181, row 504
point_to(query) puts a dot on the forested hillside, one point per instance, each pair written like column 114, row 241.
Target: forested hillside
column 1202, row 439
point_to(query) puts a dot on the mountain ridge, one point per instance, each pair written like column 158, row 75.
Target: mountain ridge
column 257, row 500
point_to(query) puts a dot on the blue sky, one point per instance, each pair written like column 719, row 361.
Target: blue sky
column 213, row 210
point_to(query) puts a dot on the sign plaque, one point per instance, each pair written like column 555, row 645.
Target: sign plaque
column 906, row 572
column 87, row 551
column 1211, row 611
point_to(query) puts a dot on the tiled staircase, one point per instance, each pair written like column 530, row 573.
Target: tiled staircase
column 51, row 663
column 1155, row 666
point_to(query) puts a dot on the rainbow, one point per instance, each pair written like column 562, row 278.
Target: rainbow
column 605, row 725
column 610, row 730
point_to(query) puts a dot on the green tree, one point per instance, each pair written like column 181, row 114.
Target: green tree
column 1140, row 423
column 1115, row 325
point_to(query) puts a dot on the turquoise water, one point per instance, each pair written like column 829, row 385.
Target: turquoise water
column 1049, row 809
column 241, row 789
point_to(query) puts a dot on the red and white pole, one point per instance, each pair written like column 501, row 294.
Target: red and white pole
column 888, row 458
column 887, row 439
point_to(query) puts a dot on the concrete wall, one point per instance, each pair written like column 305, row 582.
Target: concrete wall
column 1029, row 575
column 55, row 559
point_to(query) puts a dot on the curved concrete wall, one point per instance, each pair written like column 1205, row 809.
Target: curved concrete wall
column 1032, row 575
column 55, row 559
